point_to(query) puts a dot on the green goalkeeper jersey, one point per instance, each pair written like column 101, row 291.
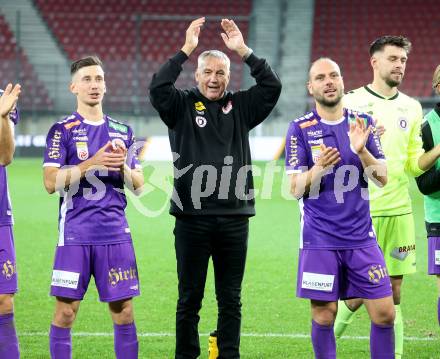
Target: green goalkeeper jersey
column 401, row 116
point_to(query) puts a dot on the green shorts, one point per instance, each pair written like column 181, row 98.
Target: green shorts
column 396, row 237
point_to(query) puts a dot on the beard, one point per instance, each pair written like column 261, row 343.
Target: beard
column 392, row 83
column 329, row 103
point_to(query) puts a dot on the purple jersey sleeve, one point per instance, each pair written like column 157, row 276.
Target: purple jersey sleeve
column 296, row 151
column 373, row 142
column 133, row 151
column 55, row 152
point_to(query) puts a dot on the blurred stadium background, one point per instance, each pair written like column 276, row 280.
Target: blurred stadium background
column 38, row 41
column 40, row 38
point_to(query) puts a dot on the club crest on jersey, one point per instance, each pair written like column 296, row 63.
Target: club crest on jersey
column 226, row 109
column 201, row 121
column 403, row 123
column 316, row 152
column 82, row 150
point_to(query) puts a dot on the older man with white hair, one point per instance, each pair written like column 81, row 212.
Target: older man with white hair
column 213, row 197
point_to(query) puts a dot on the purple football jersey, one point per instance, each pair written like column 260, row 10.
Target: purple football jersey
column 335, row 214
column 6, row 218
column 91, row 212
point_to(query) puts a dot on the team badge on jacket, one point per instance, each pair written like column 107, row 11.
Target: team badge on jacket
column 201, row 121
column 82, row 150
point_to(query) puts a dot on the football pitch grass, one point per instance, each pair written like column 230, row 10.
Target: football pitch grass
column 275, row 325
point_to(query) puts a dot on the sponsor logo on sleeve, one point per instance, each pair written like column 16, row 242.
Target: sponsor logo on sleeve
column 82, row 150
column 69, row 125
column 118, row 135
column 316, row 281
column 293, row 155
column 65, row 279
column 376, row 273
column 54, row 149
column 308, row 123
column 118, row 126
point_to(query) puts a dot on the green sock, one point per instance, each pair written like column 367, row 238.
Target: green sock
column 398, row 332
column 343, row 319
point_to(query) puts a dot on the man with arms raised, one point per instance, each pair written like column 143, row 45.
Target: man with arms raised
column 209, row 128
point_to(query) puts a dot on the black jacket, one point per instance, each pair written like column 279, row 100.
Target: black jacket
column 210, row 139
column 429, row 182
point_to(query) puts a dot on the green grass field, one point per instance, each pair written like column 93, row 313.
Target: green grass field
column 275, row 323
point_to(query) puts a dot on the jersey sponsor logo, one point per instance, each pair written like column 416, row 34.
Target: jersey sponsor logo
column 403, row 123
column 315, row 142
column 118, row 135
column 315, row 134
column 308, row 123
column 82, row 150
column 199, row 106
column 376, row 273
column 65, row 279
column 118, row 126
column 54, row 149
column 8, row 269
column 293, row 147
column 69, row 125
column 116, row 276
column 80, row 138
column 80, row 131
column 316, row 281
column 226, row 109
column 201, row 121
column 437, row 257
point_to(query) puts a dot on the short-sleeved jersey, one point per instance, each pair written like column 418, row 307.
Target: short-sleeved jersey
column 6, row 218
column 401, row 116
column 336, row 214
column 91, row 212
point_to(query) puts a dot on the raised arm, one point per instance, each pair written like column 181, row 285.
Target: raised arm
column 164, row 96
column 261, row 98
column 375, row 169
column 8, row 101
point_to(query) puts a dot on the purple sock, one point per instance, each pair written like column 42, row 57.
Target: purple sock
column 8, row 337
column 438, row 310
column 126, row 343
column 382, row 341
column 323, row 340
column 60, row 343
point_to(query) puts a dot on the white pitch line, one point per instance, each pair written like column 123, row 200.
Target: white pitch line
column 254, row 335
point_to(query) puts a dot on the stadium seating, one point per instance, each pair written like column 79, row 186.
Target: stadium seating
column 14, row 67
column 344, row 29
column 132, row 50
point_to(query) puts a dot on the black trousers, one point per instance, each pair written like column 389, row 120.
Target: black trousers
column 197, row 238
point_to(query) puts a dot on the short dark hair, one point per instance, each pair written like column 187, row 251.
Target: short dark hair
column 84, row 62
column 381, row 42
